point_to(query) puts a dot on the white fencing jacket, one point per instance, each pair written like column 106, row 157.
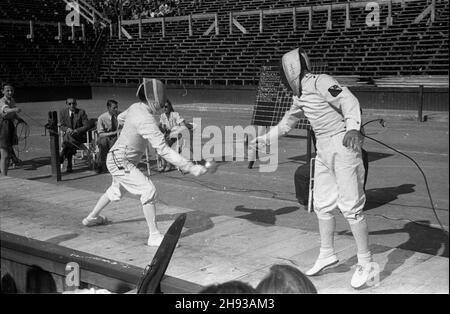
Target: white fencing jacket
column 140, row 128
column 329, row 107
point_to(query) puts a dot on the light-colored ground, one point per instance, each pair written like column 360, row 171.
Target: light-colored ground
column 212, row 248
column 398, row 207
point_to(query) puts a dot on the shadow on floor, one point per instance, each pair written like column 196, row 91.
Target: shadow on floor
column 381, row 196
column 264, row 216
column 423, row 238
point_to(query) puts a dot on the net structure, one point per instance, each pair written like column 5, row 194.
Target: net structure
column 273, row 99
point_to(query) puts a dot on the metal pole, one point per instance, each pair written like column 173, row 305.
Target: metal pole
column 420, row 108
column 216, row 22
column 31, row 35
column 294, row 19
column 347, row 16
column 329, row 22
column 140, row 28
column 433, row 10
column 261, row 16
column 73, row 33
column 310, row 18
column 308, row 146
column 83, row 33
column 119, row 27
column 52, row 126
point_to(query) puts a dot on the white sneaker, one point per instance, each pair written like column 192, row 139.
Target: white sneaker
column 321, row 264
column 362, row 275
column 97, row 221
column 155, row 239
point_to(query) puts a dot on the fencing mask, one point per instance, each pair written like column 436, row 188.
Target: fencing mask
column 153, row 92
column 295, row 64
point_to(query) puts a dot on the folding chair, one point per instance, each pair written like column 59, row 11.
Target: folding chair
column 179, row 143
column 86, row 151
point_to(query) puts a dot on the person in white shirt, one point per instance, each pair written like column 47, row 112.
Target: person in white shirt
column 335, row 117
column 139, row 128
column 172, row 125
column 107, row 130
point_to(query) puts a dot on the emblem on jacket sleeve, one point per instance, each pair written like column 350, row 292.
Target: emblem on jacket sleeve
column 335, row 90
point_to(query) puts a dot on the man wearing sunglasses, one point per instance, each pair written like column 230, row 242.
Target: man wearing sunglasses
column 74, row 124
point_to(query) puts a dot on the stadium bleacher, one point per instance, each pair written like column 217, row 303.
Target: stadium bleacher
column 44, row 60
column 402, row 49
column 359, row 54
column 35, row 10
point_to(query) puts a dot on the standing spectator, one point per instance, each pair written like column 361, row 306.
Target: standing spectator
column 8, row 136
column 285, row 279
column 229, row 287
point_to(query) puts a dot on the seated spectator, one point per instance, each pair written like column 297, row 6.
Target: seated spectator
column 136, row 9
column 285, row 279
column 107, row 133
column 135, row 15
column 233, row 286
column 74, row 124
column 8, row 285
column 171, row 125
column 39, row 280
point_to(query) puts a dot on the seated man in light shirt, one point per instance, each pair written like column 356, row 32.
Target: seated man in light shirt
column 107, row 133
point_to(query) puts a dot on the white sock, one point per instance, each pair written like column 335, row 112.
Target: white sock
column 325, row 253
column 364, row 258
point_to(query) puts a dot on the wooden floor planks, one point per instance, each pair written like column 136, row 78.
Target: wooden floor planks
column 212, row 249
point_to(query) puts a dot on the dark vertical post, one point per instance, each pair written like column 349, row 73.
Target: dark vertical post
column 420, row 104
column 54, row 144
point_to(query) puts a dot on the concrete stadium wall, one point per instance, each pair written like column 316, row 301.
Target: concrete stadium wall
column 370, row 97
column 179, row 95
column 51, row 93
column 401, row 98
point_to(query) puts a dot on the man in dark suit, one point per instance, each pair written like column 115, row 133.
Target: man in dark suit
column 74, row 124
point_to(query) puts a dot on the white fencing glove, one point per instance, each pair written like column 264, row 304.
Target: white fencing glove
column 197, row 170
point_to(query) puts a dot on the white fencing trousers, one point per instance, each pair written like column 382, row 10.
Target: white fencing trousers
column 338, row 180
column 129, row 178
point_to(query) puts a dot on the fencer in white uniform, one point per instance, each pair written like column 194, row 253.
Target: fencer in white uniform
column 140, row 127
column 335, row 116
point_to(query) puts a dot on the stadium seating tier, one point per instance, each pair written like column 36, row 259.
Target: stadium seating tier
column 402, row 49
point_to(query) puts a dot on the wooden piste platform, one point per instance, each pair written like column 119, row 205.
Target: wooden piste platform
column 213, row 249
